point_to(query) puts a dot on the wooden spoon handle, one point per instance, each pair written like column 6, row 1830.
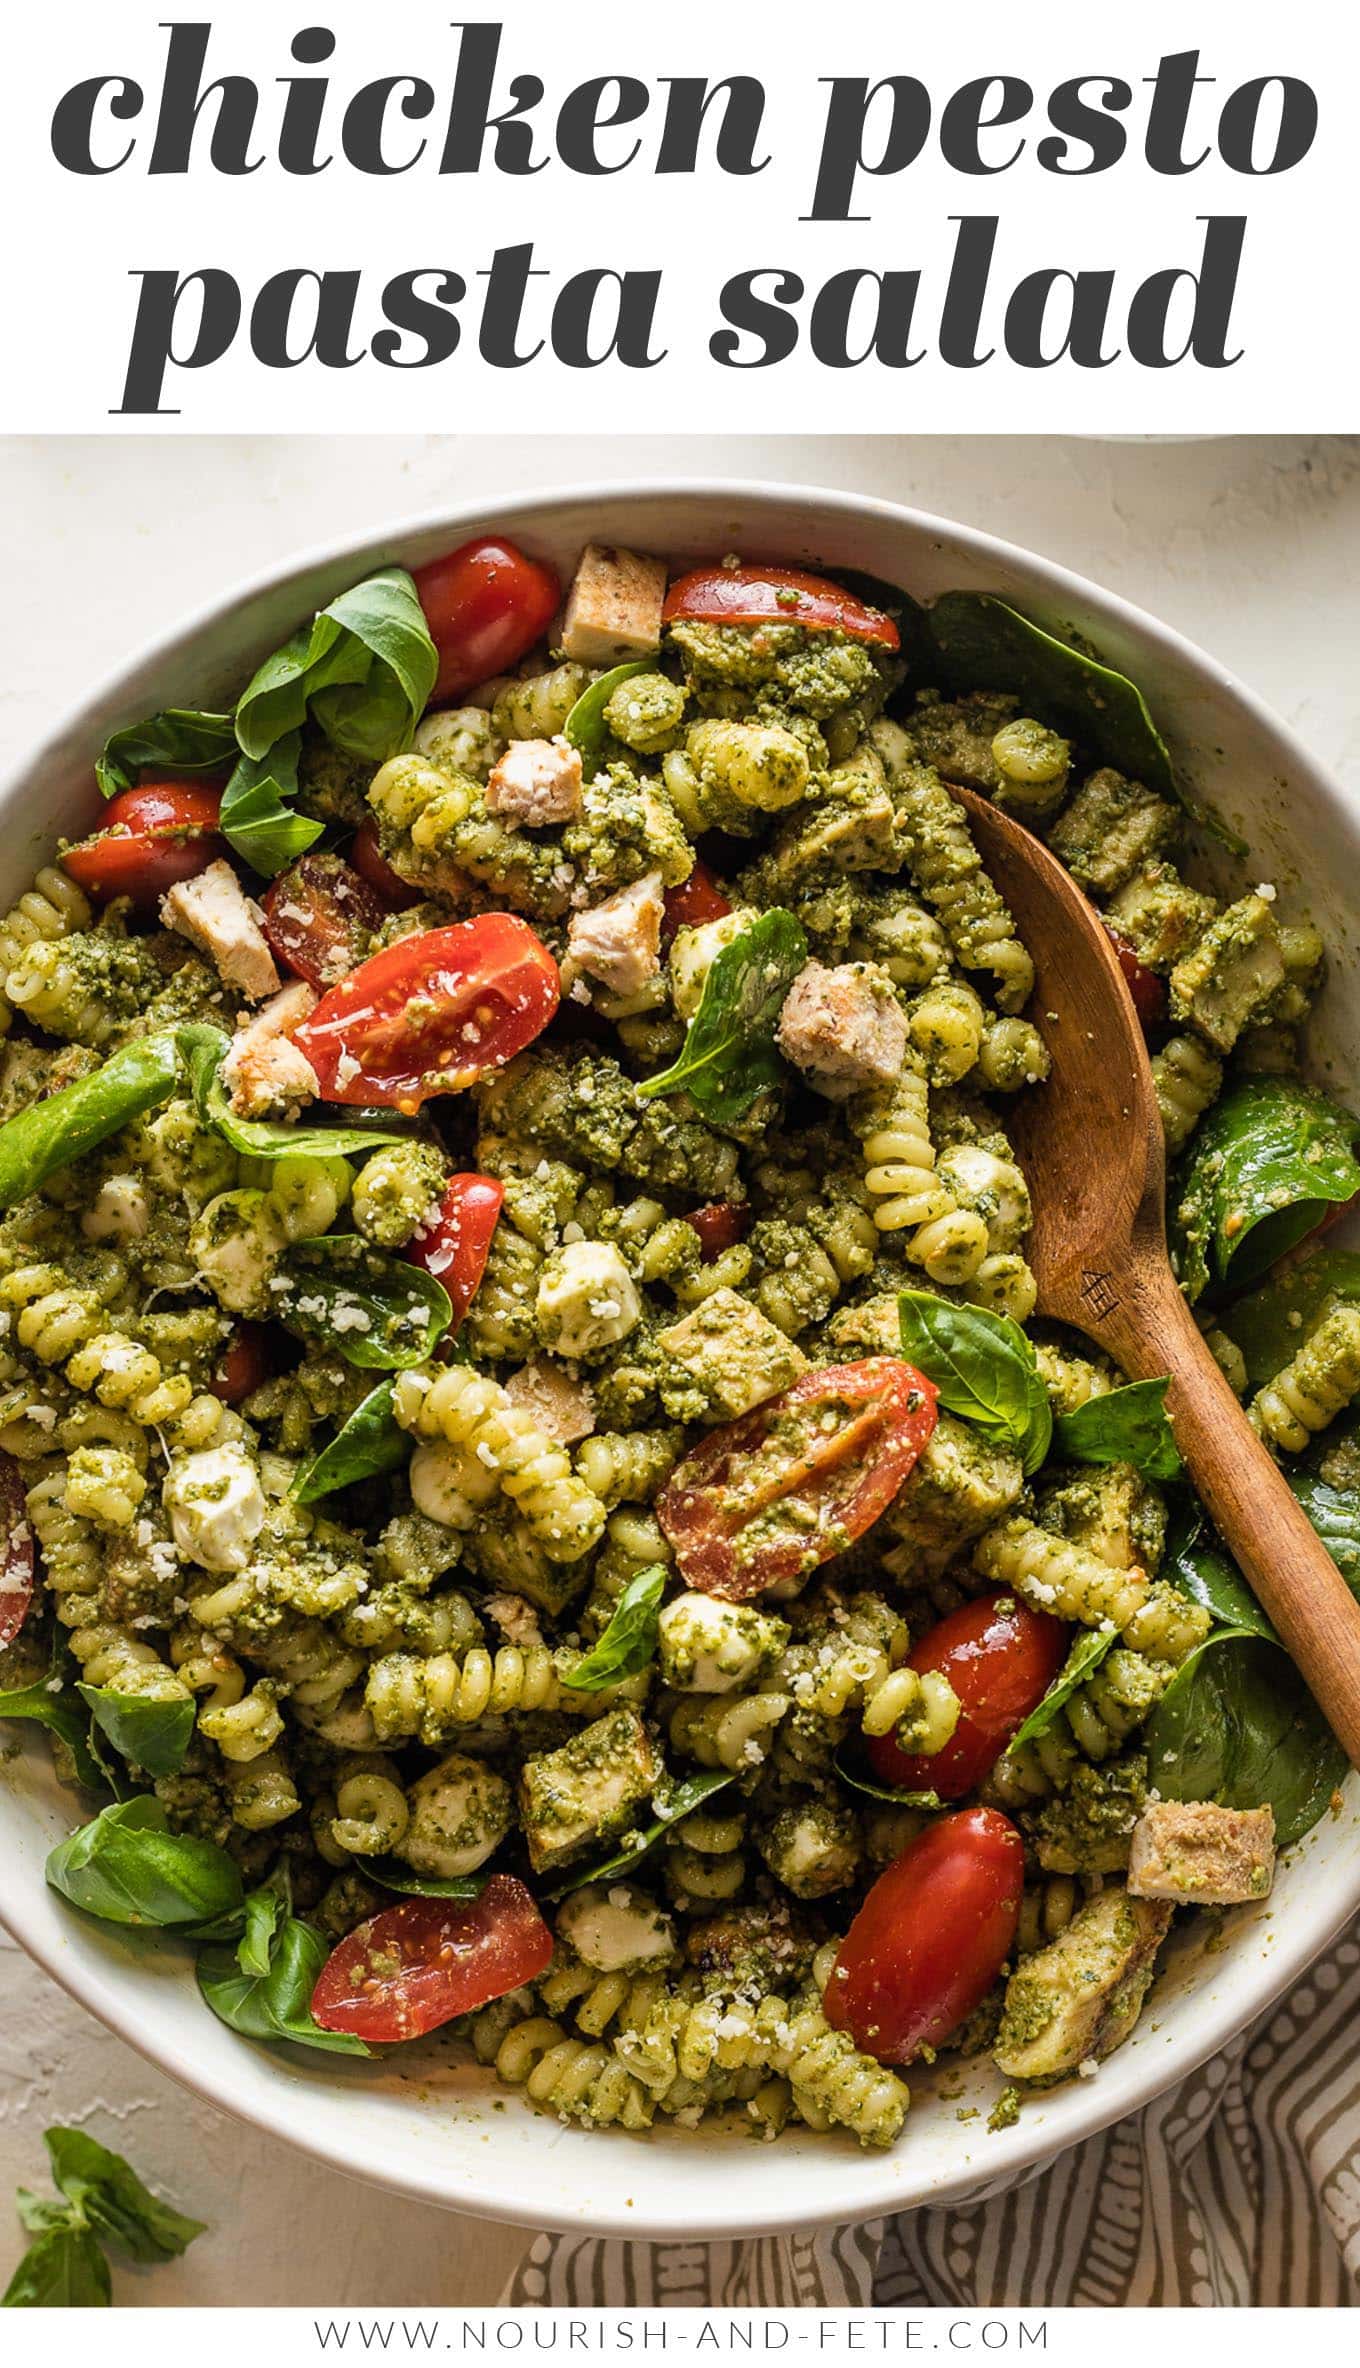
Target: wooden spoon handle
column 1261, row 1521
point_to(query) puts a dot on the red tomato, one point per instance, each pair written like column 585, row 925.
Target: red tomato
column 719, row 1225
column 931, row 1937
column 1000, row 1658
column 247, row 1360
column 1148, row 991
column 16, row 1555
column 696, row 900
column 396, row 894
column 431, row 1013
column 485, row 605
column 847, row 1436
column 775, row 596
column 454, row 1247
column 153, row 835
column 319, row 916
column 418, row 1965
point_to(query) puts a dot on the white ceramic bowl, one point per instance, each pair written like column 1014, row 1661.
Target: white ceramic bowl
column 442, row 2132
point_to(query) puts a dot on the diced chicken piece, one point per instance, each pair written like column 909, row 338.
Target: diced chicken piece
column 614, row 606
column 844, row 1028
column 536, row 782
column 1196, row 1852
column 734, row 1352
column 1075, row 2001
column 559, row 1405
column 516, row 1620
column 595, row 1786
column 263, row 1072
column 213, row 911
column 619, row 941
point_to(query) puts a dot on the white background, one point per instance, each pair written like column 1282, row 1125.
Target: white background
column 72, row 242
column 1248, row 546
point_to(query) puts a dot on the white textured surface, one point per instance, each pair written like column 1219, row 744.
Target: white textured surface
column 1244, row 545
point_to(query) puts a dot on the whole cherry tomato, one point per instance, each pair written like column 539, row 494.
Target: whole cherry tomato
column 720, row 1224
column 247, row 1360
column 432, row 1013
column 775, row 596
column 696, row 900
column 152, row 836
column 16, row 1554
column 485, row 605
column 395, row 894
column 783, row 1488
column 931, row 1937
column 1148, row 991
column 319, row 916
column 418, row 1965
column 1000, row 1658
column 455, row 1246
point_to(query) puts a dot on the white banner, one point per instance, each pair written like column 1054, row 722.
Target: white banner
column 251, row 217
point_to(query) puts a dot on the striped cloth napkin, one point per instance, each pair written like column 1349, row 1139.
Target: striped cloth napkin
column 1241, row 2186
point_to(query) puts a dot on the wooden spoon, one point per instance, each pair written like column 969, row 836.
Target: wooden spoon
column 1090, row 1142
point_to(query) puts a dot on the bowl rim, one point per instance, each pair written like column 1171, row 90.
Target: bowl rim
column 857, row 2188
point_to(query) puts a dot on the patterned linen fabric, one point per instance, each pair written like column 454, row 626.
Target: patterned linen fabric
column 1242, row 2186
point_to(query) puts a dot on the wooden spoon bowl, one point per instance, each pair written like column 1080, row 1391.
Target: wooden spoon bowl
column 1091, row 1144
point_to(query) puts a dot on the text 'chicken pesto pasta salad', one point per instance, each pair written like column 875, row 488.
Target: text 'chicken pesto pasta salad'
column 535, row 1492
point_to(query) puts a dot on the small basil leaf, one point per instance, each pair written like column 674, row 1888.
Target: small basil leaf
column 1269, row 1323
column 204, row 1048
column 109, row 2196
column 1335, row 1515
column 265, row 1910
column 179, row 740
column 54, row 1133
column 629, row 1641
column 393, row 1876
column 585, row 726
column 64, row 2270
column 278, row 2003
column 1237, row 1725
column 668, row 1808
column 128, row 1868
column 1196, row 1564
column 364, row 669
column 897, row 1797
column 52, row 1703
column 1085, row 1656
column 258, row 823
column 371, row 1441
column 150, row 1734
column 984, row 1368
column 1266, row 1163
column 39, row 2213
column 376, row 1311
column 729, row 1057
column 1125, row 1426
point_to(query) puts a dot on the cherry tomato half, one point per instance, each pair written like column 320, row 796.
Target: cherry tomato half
column 485, row 605
column 775, row 596
column 719, row 1225
column 1148, row 991
column 432, row 1013
column 319, row 916
column 455, row 1246
column 418, row 1965
column 696, row 900
column 247, row 1360
column 16, row 1555
column 1000, row 1658
column 931, row 1937
column 152, row 836
column 773, row 1494
column 393, row 893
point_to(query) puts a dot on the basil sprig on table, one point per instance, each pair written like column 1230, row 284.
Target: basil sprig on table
column 1266, row 1163
column 179, row 740
column 127, row 1867
column 371, row 1441
column 984, row 1368
column 262, row 1987
column 729, row 1057
column 668, row 1808
column 150, row 1734
column 103, row 2202
column 203, row 1049
column 585, row 726
column 1085, row 1657
column 1124, row 1426
column 374, row 1310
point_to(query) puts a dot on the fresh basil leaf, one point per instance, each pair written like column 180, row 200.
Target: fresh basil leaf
column 51, row 1703
column 39, row 2213
column 1086, row 1655
column 150, row 1734
column 1269, row 1323
column 629, row 1642
column 375, row 1310
column 64, row 2270
column 127, row 1867
column 111, row 2199
column 1335, row 1515
column 1266, row 1163
column 257, row 820
column 371, row 1441
column 364, row 669
column 1125, row 1426
column 984, row 1368
column 986, row 645
column 1196, row 1564
column 897, row 1797
column 265, row 1910
column 728, row 1057
column 668, row 1808
column 585, row 726
column 203, row 1049
column 1237, row 1725
column 278, row 2003
column 179, row 740
column 54, row 1133
column 394, row 1876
